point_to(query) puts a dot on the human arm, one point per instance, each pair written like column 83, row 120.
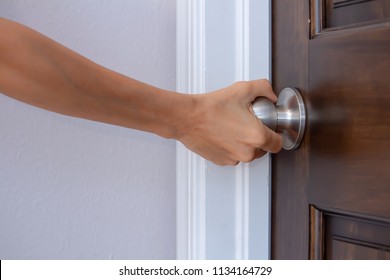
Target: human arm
column 219, row 126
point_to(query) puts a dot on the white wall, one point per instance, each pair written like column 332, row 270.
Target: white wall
column 75, row 189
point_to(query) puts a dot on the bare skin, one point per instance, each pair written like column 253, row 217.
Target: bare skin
column 219, row 126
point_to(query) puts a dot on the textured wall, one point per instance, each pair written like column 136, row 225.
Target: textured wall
column 75, row 189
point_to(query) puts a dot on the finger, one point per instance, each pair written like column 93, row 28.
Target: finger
column 226, row 162
column 262, row 88
column 272, row 141
column 259, row 153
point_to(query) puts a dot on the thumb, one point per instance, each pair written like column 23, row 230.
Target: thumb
column 272, row 141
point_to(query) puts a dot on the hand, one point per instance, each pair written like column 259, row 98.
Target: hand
column 223, row 128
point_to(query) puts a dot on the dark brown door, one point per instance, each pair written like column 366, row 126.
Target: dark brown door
column 331, row 197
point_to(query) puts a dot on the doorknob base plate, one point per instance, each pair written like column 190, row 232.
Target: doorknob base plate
column 291, row 114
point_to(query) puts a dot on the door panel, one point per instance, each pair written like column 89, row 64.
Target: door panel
column 350, row 95
column 342, row 236
column 340, row 13
column 342, row 166
column 350, row 250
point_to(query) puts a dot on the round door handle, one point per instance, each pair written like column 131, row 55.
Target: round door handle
column 287, row 116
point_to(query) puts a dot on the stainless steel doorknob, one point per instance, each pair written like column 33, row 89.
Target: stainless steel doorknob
column 288, row 116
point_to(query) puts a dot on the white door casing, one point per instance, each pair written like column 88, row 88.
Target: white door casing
column 222, row 212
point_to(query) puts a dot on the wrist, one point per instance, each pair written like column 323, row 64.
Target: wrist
column 180, row 114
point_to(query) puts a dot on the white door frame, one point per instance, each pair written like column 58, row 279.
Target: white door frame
column 222, row 212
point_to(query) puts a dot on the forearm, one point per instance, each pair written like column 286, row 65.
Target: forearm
column 38, row 71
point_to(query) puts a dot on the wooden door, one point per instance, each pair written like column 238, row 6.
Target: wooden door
column 331, row 197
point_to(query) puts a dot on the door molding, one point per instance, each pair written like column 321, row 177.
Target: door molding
column 222, row 212
column 190, row 171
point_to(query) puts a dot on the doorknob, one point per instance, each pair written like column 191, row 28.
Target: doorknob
column 288, row 116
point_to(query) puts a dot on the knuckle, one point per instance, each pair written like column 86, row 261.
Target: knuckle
column 240, row 83
column 248, row 155
column 243, row 85
column 257, row 137
column 265, row 82
column 260, row 140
